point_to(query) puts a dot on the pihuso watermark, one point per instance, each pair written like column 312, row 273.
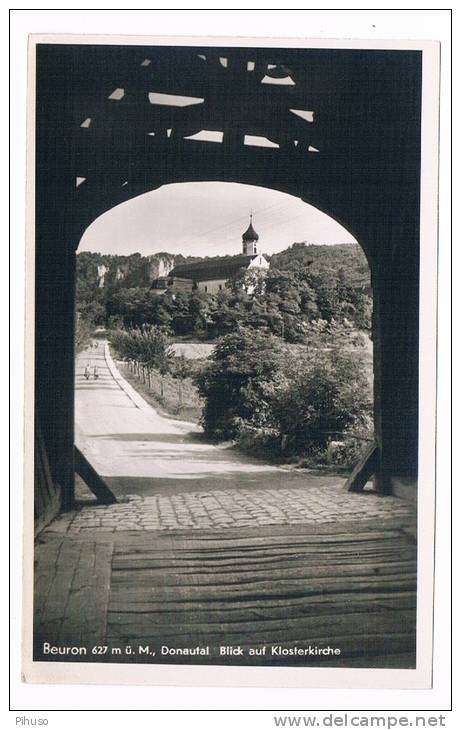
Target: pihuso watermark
column 23, row 721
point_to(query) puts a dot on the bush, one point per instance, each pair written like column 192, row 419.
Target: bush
column 271, row 398
column 321, row 395
column 148, row 345
column 355, row 440
column 238, row 383
column 261, row 441
column 83, row 332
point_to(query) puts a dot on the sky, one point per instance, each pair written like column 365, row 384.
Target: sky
column 208, row 219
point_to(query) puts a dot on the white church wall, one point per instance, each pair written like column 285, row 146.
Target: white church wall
column 182, row 284
column 212, row 286
column 259, row 262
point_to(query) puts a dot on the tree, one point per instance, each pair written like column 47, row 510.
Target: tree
column 93, row 312
column 201, row 309
column 129, row 304
column 321, row 394
column 83, row 332
column 238, row 384
column 157, row 309
column 149, row 346
column 181, row 371
column 182, row 322
column 297, row 398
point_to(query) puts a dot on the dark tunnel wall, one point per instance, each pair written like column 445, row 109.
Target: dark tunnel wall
column 366, row 175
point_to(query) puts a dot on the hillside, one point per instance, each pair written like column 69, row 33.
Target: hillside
column 106, row 271
column 341, row 260
column 305, row 284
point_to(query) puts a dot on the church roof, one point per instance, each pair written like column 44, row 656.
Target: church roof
column 250, row 234
column 220, row 268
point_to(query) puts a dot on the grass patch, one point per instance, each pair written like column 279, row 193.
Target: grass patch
column 179, row 400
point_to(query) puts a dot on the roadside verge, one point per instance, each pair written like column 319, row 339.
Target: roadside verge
column 136, row 399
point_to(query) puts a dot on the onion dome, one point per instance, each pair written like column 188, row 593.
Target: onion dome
column 250, row 233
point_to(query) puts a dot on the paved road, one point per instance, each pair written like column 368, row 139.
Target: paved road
column 173, row 479
column 141, row 452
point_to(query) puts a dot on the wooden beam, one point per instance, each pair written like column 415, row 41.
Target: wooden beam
column 364, row 470
column 92, row 479
column 47, row 494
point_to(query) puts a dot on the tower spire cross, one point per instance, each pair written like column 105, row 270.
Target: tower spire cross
column 250, row 238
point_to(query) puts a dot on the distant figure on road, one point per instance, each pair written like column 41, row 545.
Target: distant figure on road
column 96, row 345
column 95, row 372
column 87, row 372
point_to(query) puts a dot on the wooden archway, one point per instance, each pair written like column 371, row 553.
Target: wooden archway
column 344, row 133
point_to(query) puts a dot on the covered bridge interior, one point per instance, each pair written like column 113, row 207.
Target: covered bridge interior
column 339, row 129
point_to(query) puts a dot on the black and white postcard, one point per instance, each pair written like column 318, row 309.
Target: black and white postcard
column 232, row 248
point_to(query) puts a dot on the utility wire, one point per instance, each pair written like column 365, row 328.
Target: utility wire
column 236, row 220
column 230, row 233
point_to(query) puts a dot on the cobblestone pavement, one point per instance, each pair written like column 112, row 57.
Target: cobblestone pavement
column 235, row 508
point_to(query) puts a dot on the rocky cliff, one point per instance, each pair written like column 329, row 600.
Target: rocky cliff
column 103, row 271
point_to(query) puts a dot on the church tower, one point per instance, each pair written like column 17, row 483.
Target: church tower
column 250, row 239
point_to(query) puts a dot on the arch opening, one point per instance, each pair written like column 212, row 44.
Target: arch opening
column 178, row 258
